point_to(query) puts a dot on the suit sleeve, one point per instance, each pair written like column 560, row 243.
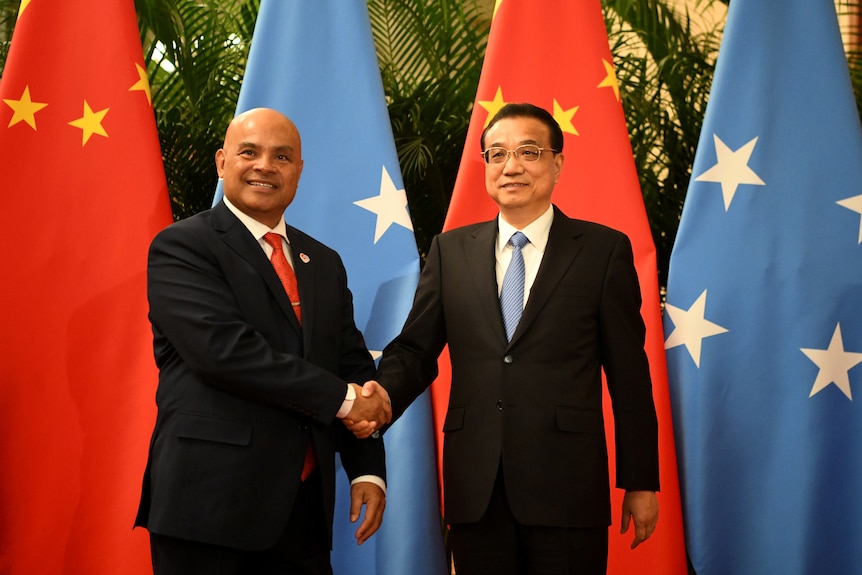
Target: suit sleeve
column 626, row 367
column 409, row 362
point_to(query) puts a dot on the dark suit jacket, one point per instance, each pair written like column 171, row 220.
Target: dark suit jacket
column 535, row 403
column 241, row 386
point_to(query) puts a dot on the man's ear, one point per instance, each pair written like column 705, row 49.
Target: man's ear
column 219, row 162
column 558, row 166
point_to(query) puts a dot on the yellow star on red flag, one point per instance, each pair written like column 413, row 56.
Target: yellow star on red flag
column 90, row 123
column 564, row 118
column 24, row 110
column 496, row 6
column 143, row 83
column 493, row 106
column 610, row 79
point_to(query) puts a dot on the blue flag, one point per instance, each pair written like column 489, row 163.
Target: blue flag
column 315, row 62
column 763, row 320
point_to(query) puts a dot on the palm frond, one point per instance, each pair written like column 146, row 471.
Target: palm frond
column 196, row 57
column 851, row 15
column 430, row 56
column 665, row 70
column 8, row 15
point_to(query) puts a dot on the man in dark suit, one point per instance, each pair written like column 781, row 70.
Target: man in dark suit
column 525, row 463
column 253, row 377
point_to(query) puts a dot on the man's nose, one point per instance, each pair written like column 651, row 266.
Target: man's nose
column 513, row 164
column 264, row 164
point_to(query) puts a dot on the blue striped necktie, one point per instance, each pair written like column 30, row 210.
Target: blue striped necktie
column 512, row 293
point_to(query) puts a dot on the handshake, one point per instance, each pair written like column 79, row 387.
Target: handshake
column 371, row 410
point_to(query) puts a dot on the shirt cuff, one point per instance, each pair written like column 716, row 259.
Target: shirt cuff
column 348, row 403
column 378, row 481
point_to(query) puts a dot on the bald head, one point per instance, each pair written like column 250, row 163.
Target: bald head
column 259, row 119
column 260, row 163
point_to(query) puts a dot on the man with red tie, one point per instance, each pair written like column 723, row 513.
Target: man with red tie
column 256, row 344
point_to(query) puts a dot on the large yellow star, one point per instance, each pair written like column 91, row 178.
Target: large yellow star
column 90, row 123
column 24, row 110
column 143, row 83
column 22, row 7
column 564, row 118
column 610, row 80
column 496, row 7
column 493, row 106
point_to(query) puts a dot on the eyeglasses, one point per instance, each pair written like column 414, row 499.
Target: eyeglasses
column 524, row 152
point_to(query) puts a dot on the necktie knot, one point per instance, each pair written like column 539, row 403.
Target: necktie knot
column 274, row 240
column 519, row 240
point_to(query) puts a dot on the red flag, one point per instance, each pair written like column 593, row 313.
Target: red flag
column 556, row 55
column 83, row 193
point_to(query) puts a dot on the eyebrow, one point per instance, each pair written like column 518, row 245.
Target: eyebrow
column 245, row 144
column 521, row 143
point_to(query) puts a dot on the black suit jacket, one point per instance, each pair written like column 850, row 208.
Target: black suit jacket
column 535, row 403
column 242, row 387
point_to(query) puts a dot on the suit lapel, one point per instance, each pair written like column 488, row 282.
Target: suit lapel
column 480, row 260
column 306, row 275
column 563, row 247
column 236, row 236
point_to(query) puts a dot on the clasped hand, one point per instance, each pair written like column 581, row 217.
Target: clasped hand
column 371, row 410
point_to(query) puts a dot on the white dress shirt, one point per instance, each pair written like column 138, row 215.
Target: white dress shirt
column 537, row 232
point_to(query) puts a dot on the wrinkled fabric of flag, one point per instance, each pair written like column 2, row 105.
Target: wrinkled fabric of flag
column 316, row 63
column 83, row 193
column 762, row 322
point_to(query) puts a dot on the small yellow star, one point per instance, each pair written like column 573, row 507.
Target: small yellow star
column 564, row 118
column 610, row 80
column 493, row 106
column 21, row 8
column 496, row 7
column 24, row 109
column 90, row 123
column 143, row 83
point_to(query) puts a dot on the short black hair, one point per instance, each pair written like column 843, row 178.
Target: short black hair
column 525, row 110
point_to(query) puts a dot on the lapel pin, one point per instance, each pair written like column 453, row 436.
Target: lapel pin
column 305, row 259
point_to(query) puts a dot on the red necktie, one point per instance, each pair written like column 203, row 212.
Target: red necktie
column 288, row 280
column 284, row 272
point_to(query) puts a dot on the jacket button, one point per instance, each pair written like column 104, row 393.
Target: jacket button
column 508, row 359
column 500, row 404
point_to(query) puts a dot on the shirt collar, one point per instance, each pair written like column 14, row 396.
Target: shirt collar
column 537, row 231
column 257, row 229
